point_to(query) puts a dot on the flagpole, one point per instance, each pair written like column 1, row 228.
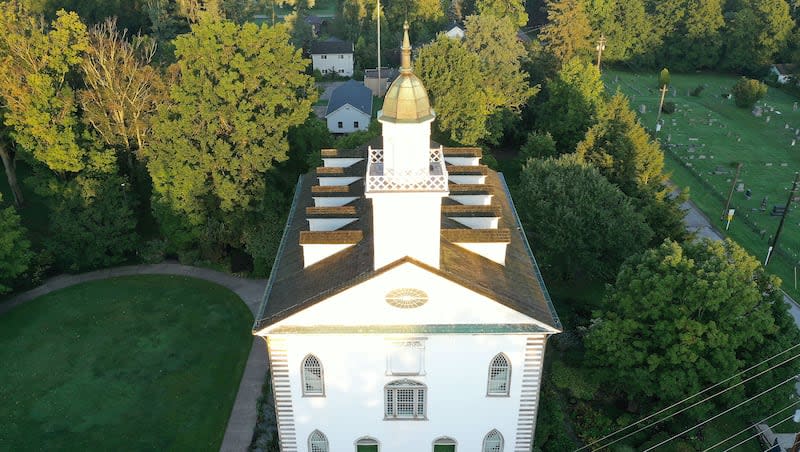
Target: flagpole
column 380, row 82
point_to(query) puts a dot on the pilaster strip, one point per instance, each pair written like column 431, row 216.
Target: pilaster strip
column 529, row 392
column 284, row 414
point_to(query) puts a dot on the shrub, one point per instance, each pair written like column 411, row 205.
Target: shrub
column 153, row 251
column 697, row 90
column 746, row 92
column 575, row 381
column 668, row 108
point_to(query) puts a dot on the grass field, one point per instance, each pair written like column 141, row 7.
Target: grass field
column 134, row 363
column 704, row 140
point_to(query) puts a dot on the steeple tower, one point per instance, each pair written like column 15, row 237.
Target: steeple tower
column 406, row 180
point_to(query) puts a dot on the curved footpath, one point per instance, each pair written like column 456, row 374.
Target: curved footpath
column 242, row 420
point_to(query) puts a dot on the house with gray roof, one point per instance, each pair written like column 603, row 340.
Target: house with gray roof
column 332, row 56
column 350, row 108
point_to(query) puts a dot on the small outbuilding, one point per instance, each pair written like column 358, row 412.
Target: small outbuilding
column 379, row 80
column 332, row 56
column 350, row 108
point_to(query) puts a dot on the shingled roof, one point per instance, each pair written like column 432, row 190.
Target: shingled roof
column 292, row 288
column 353, row 93
column 331, row 46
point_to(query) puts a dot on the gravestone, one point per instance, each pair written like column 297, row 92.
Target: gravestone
column 768, row 164
column 758, row 111
column 794, row 106
column 768, row 118
column 701, row 157
column 784, row 164
column 642, row 108
column 740, row 187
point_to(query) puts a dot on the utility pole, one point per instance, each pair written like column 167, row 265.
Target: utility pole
column 783, row 217
column 660, row 106
column 601, row 45
column 730, row 193
column 380, row 82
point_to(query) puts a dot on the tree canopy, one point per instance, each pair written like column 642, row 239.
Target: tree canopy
column 579, row 223
column 682, row 317
column 239, row 90
column 15, row 254
column 758, row 30
column 567, row 32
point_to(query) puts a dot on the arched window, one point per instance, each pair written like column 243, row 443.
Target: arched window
column 317, row 442
column 499, row 376
column 493, row 442
column 312, row 377
column 367, row 444
column 444, row 444
column 405, row 399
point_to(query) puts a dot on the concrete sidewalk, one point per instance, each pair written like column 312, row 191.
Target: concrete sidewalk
column 242, row 420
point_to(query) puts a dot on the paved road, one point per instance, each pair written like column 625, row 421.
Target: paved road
column 242, row 420
column 697, row 222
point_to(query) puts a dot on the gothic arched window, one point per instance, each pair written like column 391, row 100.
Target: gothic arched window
column 313, row 384
column 317, row 442
column 493, row 442
column 499, row 376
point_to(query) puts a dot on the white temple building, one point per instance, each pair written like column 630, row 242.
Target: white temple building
column 405, row 311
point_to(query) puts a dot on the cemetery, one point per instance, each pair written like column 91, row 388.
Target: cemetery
column 705, row 138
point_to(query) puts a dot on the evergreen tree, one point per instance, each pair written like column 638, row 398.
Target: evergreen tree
column 567, row 32
column 573, row 99
column 580, row 224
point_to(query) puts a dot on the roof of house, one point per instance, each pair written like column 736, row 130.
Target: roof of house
column 314, row 20
column 786, row 69
column 386, row 73
column 331, row 46
column 293, row 287
column 351, row 92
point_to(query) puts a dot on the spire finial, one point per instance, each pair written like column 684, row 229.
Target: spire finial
column 405, row 60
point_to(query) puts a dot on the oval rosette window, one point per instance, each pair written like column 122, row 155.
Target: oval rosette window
column 406, row 298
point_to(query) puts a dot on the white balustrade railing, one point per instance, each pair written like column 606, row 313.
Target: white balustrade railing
column 378, row 179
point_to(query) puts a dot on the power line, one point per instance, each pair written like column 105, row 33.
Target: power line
column 724, row 412
column 684, row 400
column 752, row 426
column 753, row 436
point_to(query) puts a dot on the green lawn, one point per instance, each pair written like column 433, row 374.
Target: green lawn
column 708, row 135
column 133, row 363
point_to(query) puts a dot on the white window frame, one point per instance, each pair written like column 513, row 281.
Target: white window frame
column 496, row 444
column 323, row 57
column 318, row 442
column 495, row 370
column 312, row 392
column 390, row 400
column 418, row 343
column 445, row 441
column 367, row 441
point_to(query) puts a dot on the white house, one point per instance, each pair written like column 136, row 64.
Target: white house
column 349, row 108
column 332, row 56
column 784, row 72
column 405, row 311
column 455, row 31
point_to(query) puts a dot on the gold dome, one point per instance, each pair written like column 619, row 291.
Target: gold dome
column 406, row 99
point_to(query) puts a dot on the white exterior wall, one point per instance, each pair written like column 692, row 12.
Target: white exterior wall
column 347, row 114
column 340, row 63
column 355, row 373
column 406, row 146
column 406, row 224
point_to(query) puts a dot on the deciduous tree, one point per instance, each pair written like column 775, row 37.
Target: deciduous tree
column 756, row 33
column 578, row 222
column 682, row 317
column 452, row 75
column 122, row 89
column 15, row 254
column 514, row 10
column 239, row 90
column 746, row 92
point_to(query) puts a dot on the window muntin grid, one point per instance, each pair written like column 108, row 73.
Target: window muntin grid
column 493, row 442
column 313, row 384
column 405, row 399
column 499, row 379
column 317, row 442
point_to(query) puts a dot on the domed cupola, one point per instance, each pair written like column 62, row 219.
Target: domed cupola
column 406, row 99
